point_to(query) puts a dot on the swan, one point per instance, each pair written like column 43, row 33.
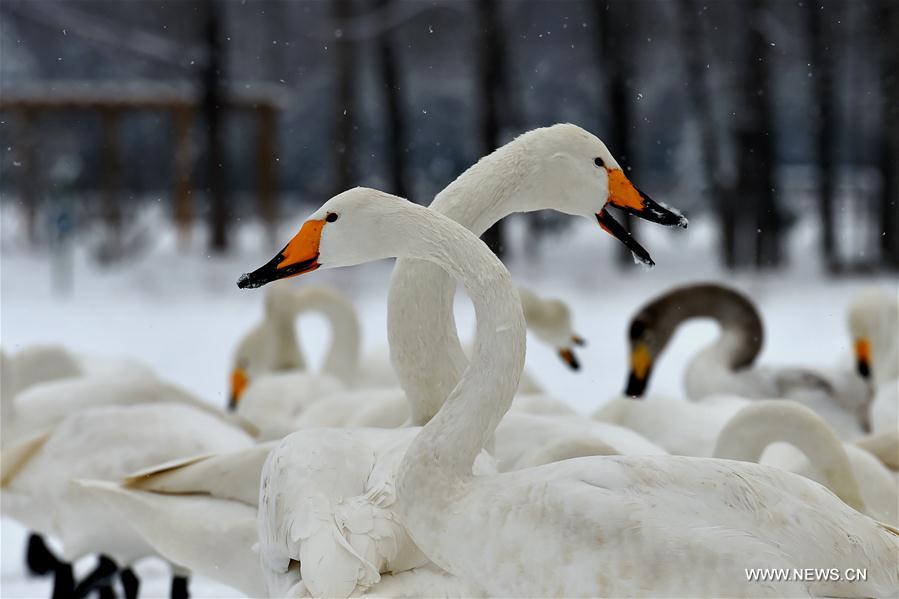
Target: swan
column 874, row 328
column 856, row 476
column 45, row 405
column 680, row 427
column 102, row 443
column 36, row 364
column 727, row 366
column 618, row 525
column 272, row 347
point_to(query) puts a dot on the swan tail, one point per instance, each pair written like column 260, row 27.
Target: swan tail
column 233, row 475
column 15, row 455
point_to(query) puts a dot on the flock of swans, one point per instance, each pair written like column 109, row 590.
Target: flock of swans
column 439, row 470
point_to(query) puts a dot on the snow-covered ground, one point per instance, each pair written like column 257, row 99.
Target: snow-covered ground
column 181, row 312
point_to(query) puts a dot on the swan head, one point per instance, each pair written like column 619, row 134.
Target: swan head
column 252, row 358
column 577, row 170
column 321, row 242
column 550, row 322
column 872, row 318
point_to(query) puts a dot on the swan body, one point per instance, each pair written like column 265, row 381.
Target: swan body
column 44, row 363
column 814, row 451
column 333, row 511
column 104, row 443
column 680, row 427
column 520, row 436
column 47, row 404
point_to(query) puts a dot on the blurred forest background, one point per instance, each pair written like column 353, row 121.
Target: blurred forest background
column 757, row 113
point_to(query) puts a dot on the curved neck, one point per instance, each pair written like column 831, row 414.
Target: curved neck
column 342, row 359
column 758, row 425
column 449, row 443
column 287, row 354
column 424, row 344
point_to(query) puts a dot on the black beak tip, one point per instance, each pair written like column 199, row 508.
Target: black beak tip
column 635, row 386
column 864, row 370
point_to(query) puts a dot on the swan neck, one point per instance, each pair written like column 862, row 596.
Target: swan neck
column 342, row 359
column 746, row 436
column 447, row 446
column 424, row 344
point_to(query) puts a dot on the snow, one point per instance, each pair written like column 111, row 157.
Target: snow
column 181, row 312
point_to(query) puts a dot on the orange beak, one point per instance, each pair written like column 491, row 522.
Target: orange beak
column 239, row 381
column 299, row 256
column 623, row 194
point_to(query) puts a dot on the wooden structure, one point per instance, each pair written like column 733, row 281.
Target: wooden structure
column 182, row 101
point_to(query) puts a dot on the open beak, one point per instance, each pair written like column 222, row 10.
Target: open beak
column 239, row 381
column 863, row 358
column 641, row 366
column 299, row 256
column 567, row 355
column 623, row 195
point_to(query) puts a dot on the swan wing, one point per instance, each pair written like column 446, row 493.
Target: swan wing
column 327, row 502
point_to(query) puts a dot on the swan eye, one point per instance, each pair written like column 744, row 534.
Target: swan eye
column 331, row 217
column 598, row 162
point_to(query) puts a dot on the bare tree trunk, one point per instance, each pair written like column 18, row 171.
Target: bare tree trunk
column 820, row 38
column 616, row 59
column 214, row 103
column 345, row 101
column 395, row 125
column 112, row 187
column 695, row 56
column 756, row 146
column 266, row 151
column 491, row 87
column 888, row 22
column 183, row 168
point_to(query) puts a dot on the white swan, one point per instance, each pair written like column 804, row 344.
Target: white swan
column 103, row 443
column 45, row 405
column 615, row 525
column 727, row 366
column 856, row 476
column 680, row 427
column 36, row 365
column 271, row 347
column 874, row 328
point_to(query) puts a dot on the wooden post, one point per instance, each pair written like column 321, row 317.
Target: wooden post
column 182, row 168
column 112, row 210
column 267, row 152
column 29, row 176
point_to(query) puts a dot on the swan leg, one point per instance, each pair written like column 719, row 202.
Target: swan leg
column 100, row 577
column 130, row 583
column 38, row 558
column 106, row 591
column 179, row 588
column 63, row 581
